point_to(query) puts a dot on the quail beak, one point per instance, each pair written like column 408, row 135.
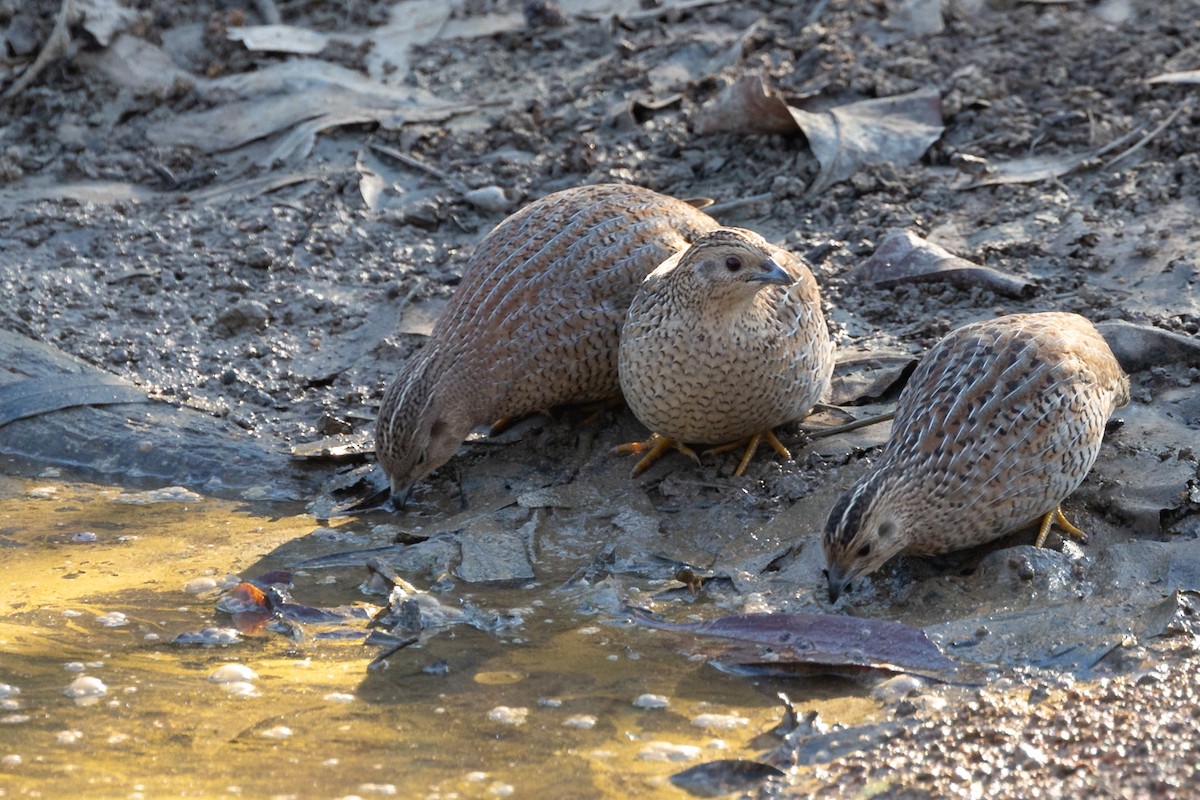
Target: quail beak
column 401, row 495
column 771, row 274
column 838, row 583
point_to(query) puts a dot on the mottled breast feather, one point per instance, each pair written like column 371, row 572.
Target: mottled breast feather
column 708, row 358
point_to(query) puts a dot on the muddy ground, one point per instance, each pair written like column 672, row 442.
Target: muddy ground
column 167, row 221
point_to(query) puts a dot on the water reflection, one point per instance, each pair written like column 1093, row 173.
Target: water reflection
column 96, row 698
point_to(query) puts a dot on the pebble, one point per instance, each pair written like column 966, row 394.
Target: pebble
column 488, row 198
column 8, row 690
column 68, row 737
column 277, row 732
column 339, row 697
column 84, row 537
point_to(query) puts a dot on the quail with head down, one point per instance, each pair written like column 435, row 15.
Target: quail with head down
column 723, row 343
column 999, row 424
column 534, row 322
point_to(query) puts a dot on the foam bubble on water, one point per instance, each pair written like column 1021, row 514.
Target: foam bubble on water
column 86, row 690
column 8, row 690
column 583, row 722
column 200, row 585
column 209, row 637
column 498, row 789
column 651, row 701
column 14, row 719
column 508, row 716
column 68, row 737
column 113, row 619
column 74, row 666
column 387, row 789
column 70, row 612
column 170, row 494
column 231, row 673
column 278, row 732
column 9, row 704
column 11, row 760
column 84, row 537
column 719, row 722
column 668, row 751
column 241, row 689
column 339, row 697
column 475, row 777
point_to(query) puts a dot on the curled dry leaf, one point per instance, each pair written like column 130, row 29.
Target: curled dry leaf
column 1190, row 76
column 844, row 139
column 904, row 257
column 890, row 130
column 748, row 105
column 279, row 39
column 1139, row 347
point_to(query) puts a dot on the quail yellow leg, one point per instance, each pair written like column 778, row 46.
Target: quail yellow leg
column 752, row 444
column 654, row 447
column 1057, row 516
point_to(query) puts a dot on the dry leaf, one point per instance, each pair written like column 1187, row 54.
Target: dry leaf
column 904, row 257
column 890, row 130
column 279, row 39
column 1191, row 76
column 748, row 105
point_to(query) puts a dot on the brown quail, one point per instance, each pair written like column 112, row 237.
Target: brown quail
column 999, row 423
column 534, row 322
column 723, row 343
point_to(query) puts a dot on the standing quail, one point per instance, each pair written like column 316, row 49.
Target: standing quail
column 722, row 343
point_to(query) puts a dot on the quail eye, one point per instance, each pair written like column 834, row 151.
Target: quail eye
column 733, row 263
column 865, row 550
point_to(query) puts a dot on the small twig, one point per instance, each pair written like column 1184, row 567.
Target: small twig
column 420, row 166
column 730, row 205
column 1146, row 139
column 57, row 44
column 268, row 12
column 823, row 432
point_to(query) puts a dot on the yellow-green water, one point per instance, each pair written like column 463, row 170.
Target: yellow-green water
column 318, row 723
